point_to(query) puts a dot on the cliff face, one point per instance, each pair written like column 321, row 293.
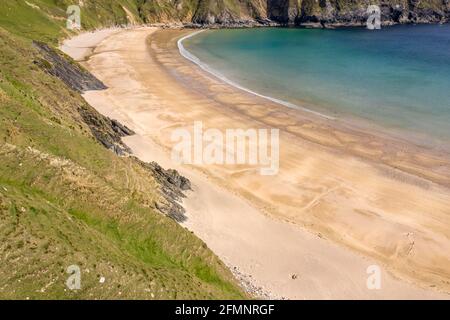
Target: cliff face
column 354, row 12
column 316, row 13
column 202, row 11
column 294, row 12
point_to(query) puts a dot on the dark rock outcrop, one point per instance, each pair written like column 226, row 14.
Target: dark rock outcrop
column 283, row 11
column 62, row 67
column 106, row 131
column 172, row 186
column 337, row 13
column 110, row 132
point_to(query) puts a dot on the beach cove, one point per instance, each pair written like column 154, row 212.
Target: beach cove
column 343, row 199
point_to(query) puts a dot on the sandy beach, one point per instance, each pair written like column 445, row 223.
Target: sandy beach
column 344, row 199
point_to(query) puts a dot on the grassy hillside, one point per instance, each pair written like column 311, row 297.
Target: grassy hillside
column 46, row 19
column 325, row 12
column 48, row 16
column 66, row 200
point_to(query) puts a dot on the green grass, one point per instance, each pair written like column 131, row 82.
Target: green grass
column 46, row 19
column 64, row 199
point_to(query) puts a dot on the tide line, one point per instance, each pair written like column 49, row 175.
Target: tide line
column 191, row 57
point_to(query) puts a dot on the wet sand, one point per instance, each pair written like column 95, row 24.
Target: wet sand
column 344, row 199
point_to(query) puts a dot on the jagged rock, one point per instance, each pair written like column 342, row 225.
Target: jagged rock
column 172, row 210
column 120, row 129
column 62, row 67
column 109, row 132
column 172, row 185
column 106, row 131
column 175, row 178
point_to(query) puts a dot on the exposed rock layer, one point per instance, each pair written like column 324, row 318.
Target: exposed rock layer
column 314, row 13
column 109, row 132
column 172, row 186
column 71, row 73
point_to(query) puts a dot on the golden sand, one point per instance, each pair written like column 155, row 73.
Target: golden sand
column 343, row 199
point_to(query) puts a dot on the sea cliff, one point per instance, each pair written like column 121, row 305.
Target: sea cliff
column 313, row 13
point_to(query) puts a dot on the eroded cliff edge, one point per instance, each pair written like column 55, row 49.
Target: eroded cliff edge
column 315, row 13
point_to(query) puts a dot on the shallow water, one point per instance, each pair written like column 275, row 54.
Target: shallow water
column 397, row 77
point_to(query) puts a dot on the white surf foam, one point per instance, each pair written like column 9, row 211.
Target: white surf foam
column 186, row 54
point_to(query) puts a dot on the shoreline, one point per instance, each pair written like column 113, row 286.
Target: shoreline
column 274, row 24
column 351, row 124
column 354, row 122
column 191, row 57
column 138, row 102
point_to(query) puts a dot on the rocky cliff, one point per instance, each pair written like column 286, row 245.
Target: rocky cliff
column 223, row 13
column 320, row 13
column 354, row 12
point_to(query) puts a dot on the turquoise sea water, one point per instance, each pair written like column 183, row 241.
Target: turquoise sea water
column 397, row 78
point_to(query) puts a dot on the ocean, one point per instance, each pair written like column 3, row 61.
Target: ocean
column 396, row 78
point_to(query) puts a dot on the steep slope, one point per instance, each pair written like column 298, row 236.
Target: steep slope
column 298, row 12
column 47, row 15
column 354, row 12
column 65, row 199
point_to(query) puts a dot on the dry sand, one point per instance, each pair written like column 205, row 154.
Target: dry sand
column 82, row 46
column 342, row 201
